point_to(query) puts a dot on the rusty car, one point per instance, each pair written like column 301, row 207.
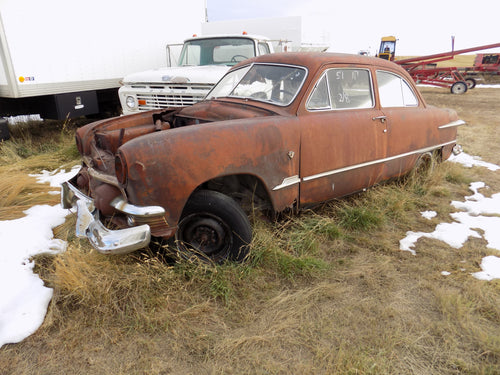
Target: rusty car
column 280, row 131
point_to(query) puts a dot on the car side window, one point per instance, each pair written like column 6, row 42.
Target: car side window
column 395, row 91
column 320, row 98
column 342, row 89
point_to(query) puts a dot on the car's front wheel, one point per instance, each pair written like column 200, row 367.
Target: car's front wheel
column 213, row 227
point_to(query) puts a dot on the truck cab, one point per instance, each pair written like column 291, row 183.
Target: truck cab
column 202, row 62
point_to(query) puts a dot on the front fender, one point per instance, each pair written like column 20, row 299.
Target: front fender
column 166, row 167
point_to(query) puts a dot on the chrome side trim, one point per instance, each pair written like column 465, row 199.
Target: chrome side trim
column 453, row 124
column 345, row 169
column 287, row 181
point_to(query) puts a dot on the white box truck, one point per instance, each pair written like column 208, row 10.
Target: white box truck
column 61, row 58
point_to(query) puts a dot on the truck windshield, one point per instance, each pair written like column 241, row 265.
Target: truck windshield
column 218, row 51
column 276, row 84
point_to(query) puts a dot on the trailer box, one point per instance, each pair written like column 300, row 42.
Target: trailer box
column 59, row 59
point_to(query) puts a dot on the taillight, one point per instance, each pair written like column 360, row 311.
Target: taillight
column 121, row 168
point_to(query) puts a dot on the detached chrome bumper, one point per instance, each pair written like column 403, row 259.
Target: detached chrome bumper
column 104, row 240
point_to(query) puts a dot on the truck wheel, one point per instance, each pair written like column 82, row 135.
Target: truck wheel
column 459, row 87
column 214, row 228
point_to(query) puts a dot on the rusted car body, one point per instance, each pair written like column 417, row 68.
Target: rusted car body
column 278, row 131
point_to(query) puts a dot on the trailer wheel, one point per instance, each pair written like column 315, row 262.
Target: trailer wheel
column 213, row 228
column 459, row 87
column 471, row 83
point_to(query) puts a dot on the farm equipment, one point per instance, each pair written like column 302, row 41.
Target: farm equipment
column 484, row 64
column 387, row 49
column 424, row 69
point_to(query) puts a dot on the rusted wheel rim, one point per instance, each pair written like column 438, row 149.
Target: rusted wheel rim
column 206, row 234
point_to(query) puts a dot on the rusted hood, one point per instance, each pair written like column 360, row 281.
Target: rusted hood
column 110, row 134
column 220, row 110
column 123, row 128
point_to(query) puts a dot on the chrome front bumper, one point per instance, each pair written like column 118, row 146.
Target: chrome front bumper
column 104, row 240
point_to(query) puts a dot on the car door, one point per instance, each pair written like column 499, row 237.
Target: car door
column 409, row 131
column 343, row 135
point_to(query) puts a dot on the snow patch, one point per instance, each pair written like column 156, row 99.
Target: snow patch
column 477, row 218
column 429, row 214
column 25, row 299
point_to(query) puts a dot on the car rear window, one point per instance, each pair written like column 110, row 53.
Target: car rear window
column 395, row 91
column 342, row 88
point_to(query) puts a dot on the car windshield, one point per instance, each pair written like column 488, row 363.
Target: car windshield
column 277, row 84
column 218, row 51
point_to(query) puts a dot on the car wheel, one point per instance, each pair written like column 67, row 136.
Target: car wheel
column 458, row 87
column 424, row 165
column 213, row 227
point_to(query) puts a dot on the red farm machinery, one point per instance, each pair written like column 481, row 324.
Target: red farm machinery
column 425, row 69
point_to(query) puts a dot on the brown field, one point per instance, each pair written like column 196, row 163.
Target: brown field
column 324, row 292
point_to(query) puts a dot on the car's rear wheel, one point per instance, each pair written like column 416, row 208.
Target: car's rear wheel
column 425, row 165
column 213, row 227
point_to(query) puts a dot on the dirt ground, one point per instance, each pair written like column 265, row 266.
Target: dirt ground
column 480, row 108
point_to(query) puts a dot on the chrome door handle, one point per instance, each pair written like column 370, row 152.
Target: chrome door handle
column 381, row 118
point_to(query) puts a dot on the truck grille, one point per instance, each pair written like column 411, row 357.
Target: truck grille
column 163, row 96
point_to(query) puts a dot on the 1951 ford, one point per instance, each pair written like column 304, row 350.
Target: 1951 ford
column 278, row 131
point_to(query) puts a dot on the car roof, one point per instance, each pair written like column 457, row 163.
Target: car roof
column 313, row 60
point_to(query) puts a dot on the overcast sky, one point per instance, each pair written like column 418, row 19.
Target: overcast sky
column 422, row 27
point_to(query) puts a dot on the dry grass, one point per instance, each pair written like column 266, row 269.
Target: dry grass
column 47, row 146
column 324, row 292
column 18, row 192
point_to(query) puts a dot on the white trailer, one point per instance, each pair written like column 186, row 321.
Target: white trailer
column 66, row 57
column 285, row 33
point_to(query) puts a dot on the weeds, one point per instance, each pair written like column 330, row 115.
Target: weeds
column 356, row 218
column 37, row 146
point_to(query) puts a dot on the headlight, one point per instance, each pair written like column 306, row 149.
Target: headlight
column 131, row 102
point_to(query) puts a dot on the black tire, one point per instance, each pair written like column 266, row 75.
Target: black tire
column 471, row 83
column 425, row 165
column 214, row 228
column 459, row 87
